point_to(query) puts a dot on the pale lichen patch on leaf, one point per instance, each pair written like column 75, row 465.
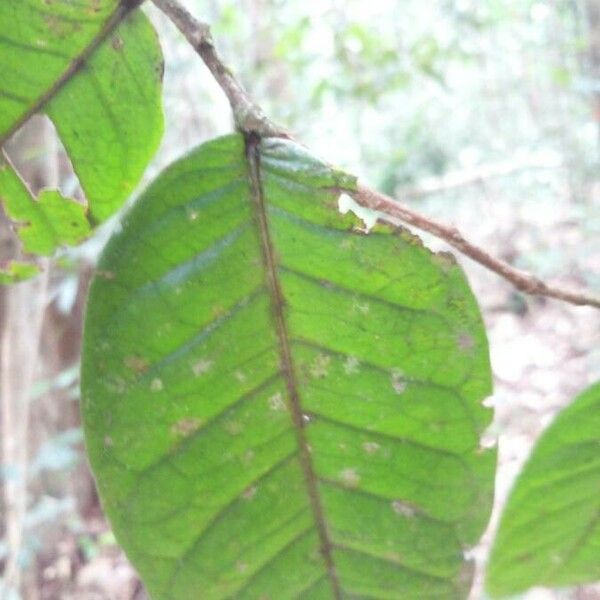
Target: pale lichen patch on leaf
column 156, row 385
column 186, row 427
column 276, row 402
column 248, row 456
column 116, row 385
column 233, row 427
column 201, row 366
column 370, row 447
column 361, row 307
column 351, row 365
column 404, row 509
column 319, row 367
column 398, row 381
column 349, row 477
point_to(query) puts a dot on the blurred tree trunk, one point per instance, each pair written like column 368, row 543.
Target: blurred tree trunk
column 23, row 307
column 39, row 339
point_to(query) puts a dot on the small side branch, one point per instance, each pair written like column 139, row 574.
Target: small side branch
column 523, row 281
column 250, row 118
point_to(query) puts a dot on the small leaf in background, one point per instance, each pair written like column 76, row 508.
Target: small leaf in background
column 276, row 405
column 17, row 271
column 549, row 533
column 108, row 112
column 43, row 224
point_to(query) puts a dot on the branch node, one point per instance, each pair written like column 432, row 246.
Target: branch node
column 248, row 116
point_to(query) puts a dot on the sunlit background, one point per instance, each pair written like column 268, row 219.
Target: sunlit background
column 481, row 113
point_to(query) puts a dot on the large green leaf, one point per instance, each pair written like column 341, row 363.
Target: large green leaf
column 96, row 71
column 276, row 405
column 549, row 532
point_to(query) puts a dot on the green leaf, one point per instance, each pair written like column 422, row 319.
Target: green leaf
column 43, row 224
column 100, row 86
column 549, row 533
column 17, row 271
column 278, row 406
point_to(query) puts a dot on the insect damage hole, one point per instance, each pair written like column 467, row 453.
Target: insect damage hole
column 366, row 215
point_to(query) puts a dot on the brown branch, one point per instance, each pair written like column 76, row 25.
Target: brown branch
column 250, row 118
column 523, row 281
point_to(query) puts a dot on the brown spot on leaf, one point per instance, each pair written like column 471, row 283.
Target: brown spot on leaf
column 60, row 27
column 136, row 363
column 95, row 6
column 444, row 260
column 466, row 342
column 249, row 493
column 105, row 274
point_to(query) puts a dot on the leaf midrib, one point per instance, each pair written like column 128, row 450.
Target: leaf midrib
column 287, row 364
column 75, row 65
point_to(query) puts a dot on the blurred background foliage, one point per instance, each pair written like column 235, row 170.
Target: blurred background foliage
column 483, row 113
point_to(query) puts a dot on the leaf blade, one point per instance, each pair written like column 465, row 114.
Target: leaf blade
column 189, row 267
